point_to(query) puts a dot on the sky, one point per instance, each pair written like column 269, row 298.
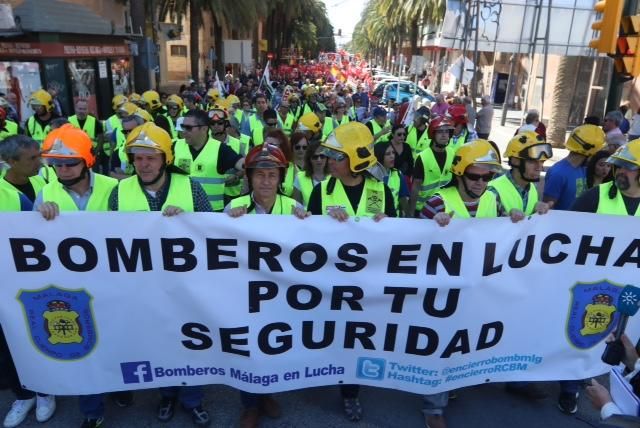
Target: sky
column 344, row 15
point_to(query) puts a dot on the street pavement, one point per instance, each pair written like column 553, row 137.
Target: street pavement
column 482, row 406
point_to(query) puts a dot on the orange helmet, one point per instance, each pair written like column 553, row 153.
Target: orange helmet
column 458, row 114
column 68, row 142
column 440, row 122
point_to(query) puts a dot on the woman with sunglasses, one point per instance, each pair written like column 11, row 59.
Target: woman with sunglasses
column 403, row 161
column 315, row 171
column 299, row 143
column 516, row 189
column 393, row 177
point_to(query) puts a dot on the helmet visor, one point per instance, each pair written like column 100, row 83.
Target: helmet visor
column 538, row 152
column 334, row 154
column 621, row 163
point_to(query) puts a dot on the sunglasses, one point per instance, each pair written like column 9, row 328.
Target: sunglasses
column 217, row 122
column 190, row 127
column 67, row 163
column 300, row 147
column 476, row 177
column 318, row 157
column 173, row 107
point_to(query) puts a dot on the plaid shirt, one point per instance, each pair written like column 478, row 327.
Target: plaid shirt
column 200, row 200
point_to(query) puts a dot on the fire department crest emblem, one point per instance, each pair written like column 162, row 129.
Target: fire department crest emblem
column 592, row 312
column 60, row 321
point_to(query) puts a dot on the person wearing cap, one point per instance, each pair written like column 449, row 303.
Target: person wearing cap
column 567, row 179
column 338, row 118
column 265, row 168
column 432, row 168
column 218, row 126
column 286, row 119
column 417, row 133
column 22, row 154
column 465, row 196
column 355, row 189
column 205, row 159
column 37, row 126
column 379, row 125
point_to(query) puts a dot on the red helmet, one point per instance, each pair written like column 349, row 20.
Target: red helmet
column 440, row 122
column 458, row 114
column 265, row 156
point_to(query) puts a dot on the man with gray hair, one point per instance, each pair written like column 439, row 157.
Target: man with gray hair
column 611, row 123
column 484, row 117
column 22, row 154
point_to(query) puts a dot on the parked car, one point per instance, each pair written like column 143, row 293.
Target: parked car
column 407, row 90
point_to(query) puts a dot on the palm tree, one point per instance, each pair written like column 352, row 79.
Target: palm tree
column 561, row 103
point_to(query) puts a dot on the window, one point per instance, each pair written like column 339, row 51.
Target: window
column 178, row 50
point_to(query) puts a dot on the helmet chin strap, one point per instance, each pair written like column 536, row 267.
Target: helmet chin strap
column 70, row 182
column 156, row 179
column 521, row 169
column 468, row 191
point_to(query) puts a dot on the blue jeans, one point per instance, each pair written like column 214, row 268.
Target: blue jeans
column 189, row 396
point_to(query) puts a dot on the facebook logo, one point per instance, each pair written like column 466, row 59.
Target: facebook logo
column 136, row 372
column 371, row 368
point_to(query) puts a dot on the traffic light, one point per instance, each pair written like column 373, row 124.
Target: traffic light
column 608, row 26
column 627, row 60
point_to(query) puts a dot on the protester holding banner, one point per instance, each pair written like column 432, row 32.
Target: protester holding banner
column 516, row 188
column 266, row 167
column 602, row 400
column 355, row 189
column 159, row 186
column 464, row 197
column 77, row 188
column 432, row 168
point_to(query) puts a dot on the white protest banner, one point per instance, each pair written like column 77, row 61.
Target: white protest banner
column 95, row 302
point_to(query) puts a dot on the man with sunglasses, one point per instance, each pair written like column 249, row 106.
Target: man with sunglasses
column 218, row 125
column 465, row 196
column 567, row 179
column 355, row 189
column 516, row 189
column 268, row 123
column 205, row 159
column 621, row 196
